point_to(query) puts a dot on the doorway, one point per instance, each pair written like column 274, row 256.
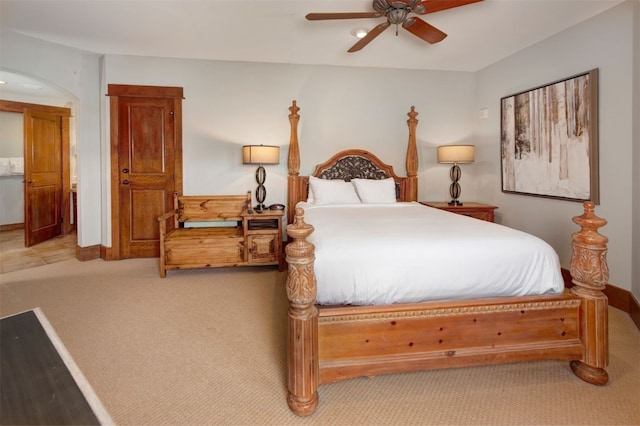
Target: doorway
column 47, row 184
column 146, row 165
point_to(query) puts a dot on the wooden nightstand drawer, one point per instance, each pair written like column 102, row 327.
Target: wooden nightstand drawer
column 263, row 233
column 482, row 215
column 476, row 210
column 263, row 249
column 263, row 224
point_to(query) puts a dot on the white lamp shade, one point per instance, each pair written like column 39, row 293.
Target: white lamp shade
column 456, row 154
column 260, row 154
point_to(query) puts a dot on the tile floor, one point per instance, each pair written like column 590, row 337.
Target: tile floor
column 15, row 256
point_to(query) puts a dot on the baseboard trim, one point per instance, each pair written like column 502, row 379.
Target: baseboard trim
column 618, row 297
column 634, row 311
column 11, row 227
column 106, row 253
column 88, row 253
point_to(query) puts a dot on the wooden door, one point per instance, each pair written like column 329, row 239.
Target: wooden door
column 38, row 153
column 146, row 170
column 42, row 176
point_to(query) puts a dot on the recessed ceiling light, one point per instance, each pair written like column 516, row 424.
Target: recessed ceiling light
column 3, row 82
column 359, row 32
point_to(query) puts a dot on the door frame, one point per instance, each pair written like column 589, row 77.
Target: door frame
column 114, row 91
column 64, row 114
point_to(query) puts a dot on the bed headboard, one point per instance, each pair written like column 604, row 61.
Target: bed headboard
column 350, row 164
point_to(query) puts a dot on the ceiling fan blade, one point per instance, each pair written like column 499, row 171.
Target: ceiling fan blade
column 345, row 15
column 427, row 32
column 375, row 32
column 431, row 6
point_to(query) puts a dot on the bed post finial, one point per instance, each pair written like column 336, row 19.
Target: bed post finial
column 302, row 340
column 590, row 273
column 294, row 151
column 293, row 162
column 412, row 157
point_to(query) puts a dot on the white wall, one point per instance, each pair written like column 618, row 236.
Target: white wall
column 635, row 274
column 604, row 42
column 229, row 104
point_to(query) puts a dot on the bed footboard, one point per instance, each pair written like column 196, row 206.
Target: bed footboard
column 336, row 343
column 370, row 341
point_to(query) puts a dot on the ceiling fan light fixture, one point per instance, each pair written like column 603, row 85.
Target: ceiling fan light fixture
column 397, row 16
column 380, row 5
column 359, row 32
column 398, row 13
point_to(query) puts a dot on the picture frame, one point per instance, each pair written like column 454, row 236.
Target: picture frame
column 549, row 140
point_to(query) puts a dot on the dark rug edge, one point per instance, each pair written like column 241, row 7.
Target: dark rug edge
column 83, row 384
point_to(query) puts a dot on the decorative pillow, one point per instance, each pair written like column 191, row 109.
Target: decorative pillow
column 326, row 191
column 373, row 191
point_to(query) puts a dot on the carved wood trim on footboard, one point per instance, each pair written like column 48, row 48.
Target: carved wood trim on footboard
column 333, row 343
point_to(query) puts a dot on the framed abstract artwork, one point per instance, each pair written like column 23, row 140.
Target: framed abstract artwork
column 549, row 140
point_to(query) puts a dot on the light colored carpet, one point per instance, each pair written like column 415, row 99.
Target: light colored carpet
column 208, row 347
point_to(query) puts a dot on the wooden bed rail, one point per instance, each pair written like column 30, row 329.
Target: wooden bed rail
column 575, row 324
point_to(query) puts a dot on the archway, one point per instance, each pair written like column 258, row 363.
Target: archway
column 24, row 95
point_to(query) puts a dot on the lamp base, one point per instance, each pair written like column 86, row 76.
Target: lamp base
column 454, row 189
column 261, row 191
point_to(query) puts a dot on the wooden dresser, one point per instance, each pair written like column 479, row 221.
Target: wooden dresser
column 477, row 210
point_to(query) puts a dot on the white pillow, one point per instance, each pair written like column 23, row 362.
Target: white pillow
column 310, row 198
column 332, row 191
column 372, row 191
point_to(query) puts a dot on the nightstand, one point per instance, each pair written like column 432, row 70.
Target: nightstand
column 477, row 210
column 263, row 237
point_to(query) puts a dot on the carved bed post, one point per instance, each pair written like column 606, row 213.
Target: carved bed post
column 294, row 158
column 302, row 341
column 412, row 158
column 590, row 274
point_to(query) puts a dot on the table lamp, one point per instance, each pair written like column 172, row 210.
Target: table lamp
column 456, row 154
column 260, row 155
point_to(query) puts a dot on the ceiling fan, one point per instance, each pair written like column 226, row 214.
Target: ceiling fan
column 398, row 13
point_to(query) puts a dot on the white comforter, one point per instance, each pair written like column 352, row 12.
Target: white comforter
column 405, row 252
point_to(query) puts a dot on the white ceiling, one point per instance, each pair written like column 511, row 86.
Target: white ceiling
column 276, row 31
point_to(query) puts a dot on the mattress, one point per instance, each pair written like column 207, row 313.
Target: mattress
column 375, row 254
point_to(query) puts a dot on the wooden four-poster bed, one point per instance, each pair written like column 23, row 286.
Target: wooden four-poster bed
column 337, row 342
